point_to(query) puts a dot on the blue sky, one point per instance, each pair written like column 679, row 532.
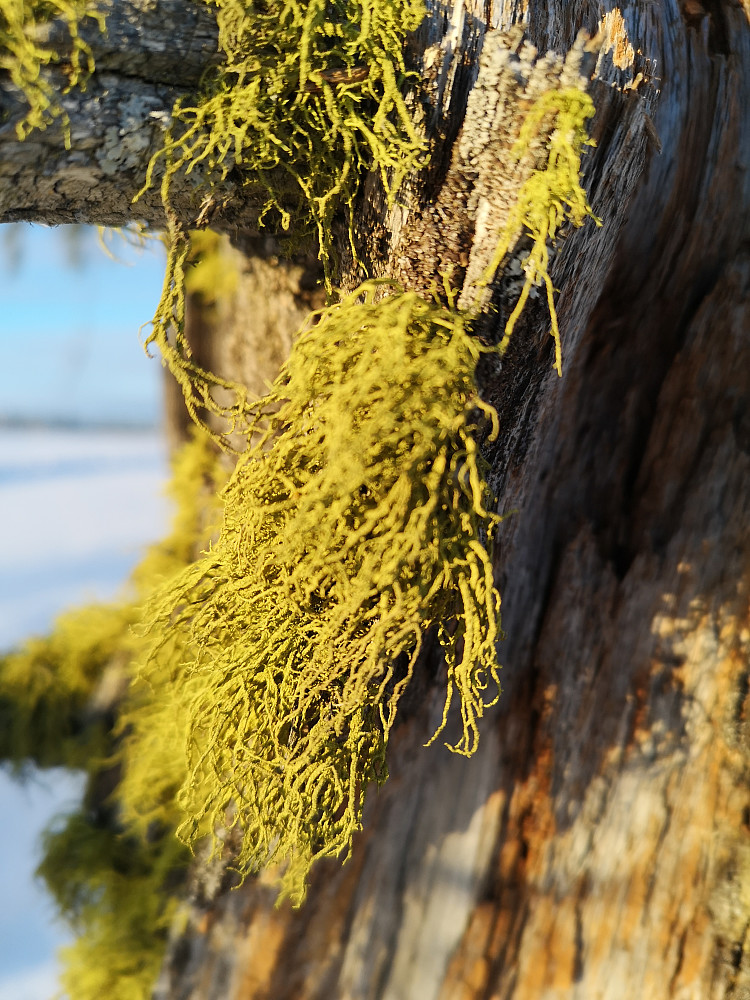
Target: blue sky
column 77, row 507
column 69, row 320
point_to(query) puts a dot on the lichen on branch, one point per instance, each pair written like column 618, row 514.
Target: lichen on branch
column 306, row 100
column 23, row 56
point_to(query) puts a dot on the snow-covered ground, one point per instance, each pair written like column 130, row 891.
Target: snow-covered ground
column 76, row 511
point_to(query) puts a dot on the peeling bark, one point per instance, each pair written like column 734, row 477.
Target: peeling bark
column 597, row 846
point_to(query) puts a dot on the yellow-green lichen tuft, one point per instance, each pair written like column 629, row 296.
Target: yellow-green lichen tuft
column 551, row 196
column 307, row 98
column 356, row 524
column 47, row 690
column 206, row 395
column 23, row 56
column 306, row 101
column 116, row 892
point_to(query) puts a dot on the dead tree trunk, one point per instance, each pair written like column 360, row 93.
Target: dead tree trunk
column 597, row 846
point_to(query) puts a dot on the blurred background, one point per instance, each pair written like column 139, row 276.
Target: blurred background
column 83, row 463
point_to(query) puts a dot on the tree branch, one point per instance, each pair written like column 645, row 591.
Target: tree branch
column 152, row 53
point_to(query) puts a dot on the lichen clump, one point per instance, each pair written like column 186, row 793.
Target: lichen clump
column 23, row 55
column 267, row 672
column 308, row 97
column 117, row 893
column 356, row 524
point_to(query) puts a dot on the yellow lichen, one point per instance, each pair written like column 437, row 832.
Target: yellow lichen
column 306, row 101
column 23, row 56
column 116, row 893
column 46, row 688
column 267, row 672
column 551, row 196
column 307, row 98
column 354, row 526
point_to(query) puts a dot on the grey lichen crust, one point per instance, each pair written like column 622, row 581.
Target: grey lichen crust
column 511, row 79
column 461, row 226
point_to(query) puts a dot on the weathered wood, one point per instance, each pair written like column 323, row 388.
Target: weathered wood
column 152, row 53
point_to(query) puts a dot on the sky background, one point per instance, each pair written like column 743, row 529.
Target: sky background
column 69, row 321
column 78, row 501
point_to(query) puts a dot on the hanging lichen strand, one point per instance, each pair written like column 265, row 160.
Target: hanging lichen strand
column 354, row 526
column 306, row 100
column 551, row 196
column 22, row 56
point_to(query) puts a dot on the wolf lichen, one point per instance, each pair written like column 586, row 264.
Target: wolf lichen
column 551, row 196
column 272, row 666
column 355, row 525
column 308, row 97
column 117, row 894
column 46, row 689
column 23, row 55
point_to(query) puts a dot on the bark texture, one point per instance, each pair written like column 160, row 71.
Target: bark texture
column 152, row 53
column 597, row 846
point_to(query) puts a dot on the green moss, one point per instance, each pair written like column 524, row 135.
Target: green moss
column 354, row 526
column 23, row 56
column 551, row 196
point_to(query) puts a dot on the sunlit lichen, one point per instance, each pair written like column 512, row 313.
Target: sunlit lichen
column 46, row 690
column 307, row 98
column 354, row 526
column 23, row 56
column 117, row 893
column 268, row 671
column 551, row 196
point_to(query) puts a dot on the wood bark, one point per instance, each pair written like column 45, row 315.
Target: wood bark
column 597, row 846
column 152, row 53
